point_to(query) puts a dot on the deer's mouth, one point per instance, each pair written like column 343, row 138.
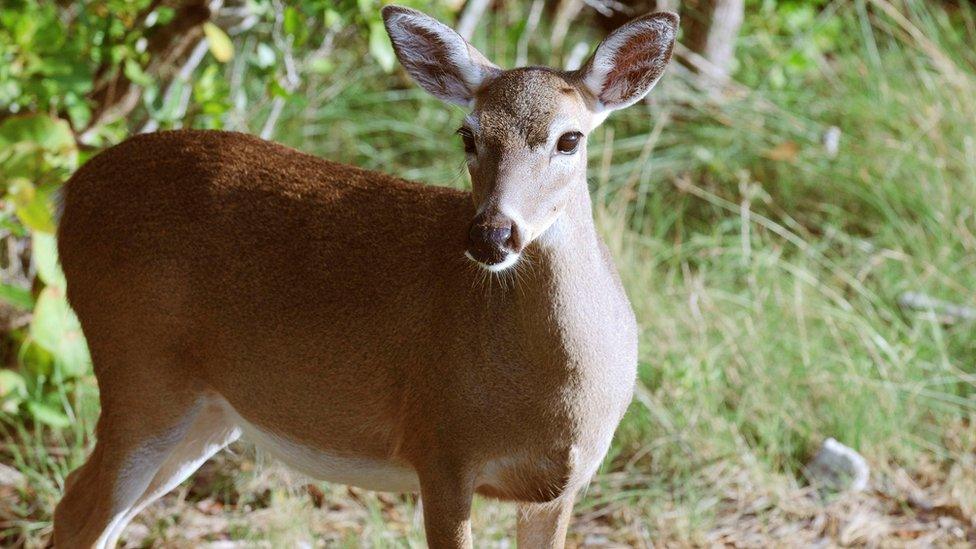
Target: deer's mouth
column 496, row 263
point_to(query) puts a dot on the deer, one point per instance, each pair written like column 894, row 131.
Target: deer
column 364, row 329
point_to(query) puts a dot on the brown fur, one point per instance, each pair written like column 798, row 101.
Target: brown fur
column 527, row 101
column 327, row 291
column 224, row 281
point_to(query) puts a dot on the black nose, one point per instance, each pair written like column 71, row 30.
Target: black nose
column 489, row 235
column 490, row 239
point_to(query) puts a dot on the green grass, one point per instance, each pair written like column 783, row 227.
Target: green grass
column 765, row 273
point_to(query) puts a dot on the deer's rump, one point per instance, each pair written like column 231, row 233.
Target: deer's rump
column 262, row 273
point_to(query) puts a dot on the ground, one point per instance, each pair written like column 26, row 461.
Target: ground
column 240, row 499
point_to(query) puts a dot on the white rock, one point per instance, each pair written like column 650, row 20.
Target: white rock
column 839, row 467
column 831, row 141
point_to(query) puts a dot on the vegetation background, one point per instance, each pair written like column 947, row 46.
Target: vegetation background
column 796, row 228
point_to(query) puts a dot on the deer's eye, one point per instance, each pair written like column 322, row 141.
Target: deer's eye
column 468, row 139
column 569, row 142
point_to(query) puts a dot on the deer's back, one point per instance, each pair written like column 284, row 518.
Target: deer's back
column 195, row 198
column 247, row 252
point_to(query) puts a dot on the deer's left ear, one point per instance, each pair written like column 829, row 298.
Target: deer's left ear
column 627, row 64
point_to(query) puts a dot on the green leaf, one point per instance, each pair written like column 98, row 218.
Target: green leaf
column 291, row 22
column 380, row 47
column 56, row 329
column 24, row 29
column 12, row 384
column 13, row 390
column 331, row 18
column 46, row 132
column 16, row 296
column 220, row 45
column 48, row 415
column 31, row 205
column 277, row 90
column 166, row 14
column 36, row 144
column 35, row 360
column 321, row 65
column 135, row 73
column 44, row 251
column 78, row 110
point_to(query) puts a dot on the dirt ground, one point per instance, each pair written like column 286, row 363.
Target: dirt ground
column 239, row 500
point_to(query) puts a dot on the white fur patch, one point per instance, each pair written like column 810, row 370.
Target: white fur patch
column 136, row 474
column 209, row 433
column 368, row 473
column 509, row 261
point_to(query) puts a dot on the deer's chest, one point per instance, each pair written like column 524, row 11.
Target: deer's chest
column 547, row 456
column 564, row 407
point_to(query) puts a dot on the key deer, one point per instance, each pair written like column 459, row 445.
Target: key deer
column 364, row 329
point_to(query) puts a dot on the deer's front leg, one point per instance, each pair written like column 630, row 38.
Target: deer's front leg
column 446, row 498
column 544, row 525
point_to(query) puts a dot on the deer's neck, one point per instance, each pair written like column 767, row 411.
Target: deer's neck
column 570, row 252
column 573, row 308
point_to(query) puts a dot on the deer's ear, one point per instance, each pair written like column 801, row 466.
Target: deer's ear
column 627, row 64
column 436, row 57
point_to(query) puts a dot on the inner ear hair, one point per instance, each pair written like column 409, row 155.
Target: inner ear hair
column 629, row 62
column 438, row 59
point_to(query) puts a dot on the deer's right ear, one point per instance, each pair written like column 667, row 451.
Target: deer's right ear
column 436, row 57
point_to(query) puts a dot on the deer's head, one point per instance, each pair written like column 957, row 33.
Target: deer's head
column 525, row 137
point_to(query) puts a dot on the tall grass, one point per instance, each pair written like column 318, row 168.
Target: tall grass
column 764, row 270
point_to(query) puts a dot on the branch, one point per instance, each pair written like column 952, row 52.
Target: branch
column 290, row 81
column 116, row 96
column 711, row 30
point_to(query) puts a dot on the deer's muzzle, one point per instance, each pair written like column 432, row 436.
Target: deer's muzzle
column 492, row 240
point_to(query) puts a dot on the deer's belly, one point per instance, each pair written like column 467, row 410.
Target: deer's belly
column 365, row 472
column 522, row 476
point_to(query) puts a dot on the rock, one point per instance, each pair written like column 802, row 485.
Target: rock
column 838, row 467
column 831, row 141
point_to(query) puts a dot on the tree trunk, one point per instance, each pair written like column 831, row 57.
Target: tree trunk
column 711, row 29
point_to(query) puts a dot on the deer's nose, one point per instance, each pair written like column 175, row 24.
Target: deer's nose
column 495, row 236
column 490, row 239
